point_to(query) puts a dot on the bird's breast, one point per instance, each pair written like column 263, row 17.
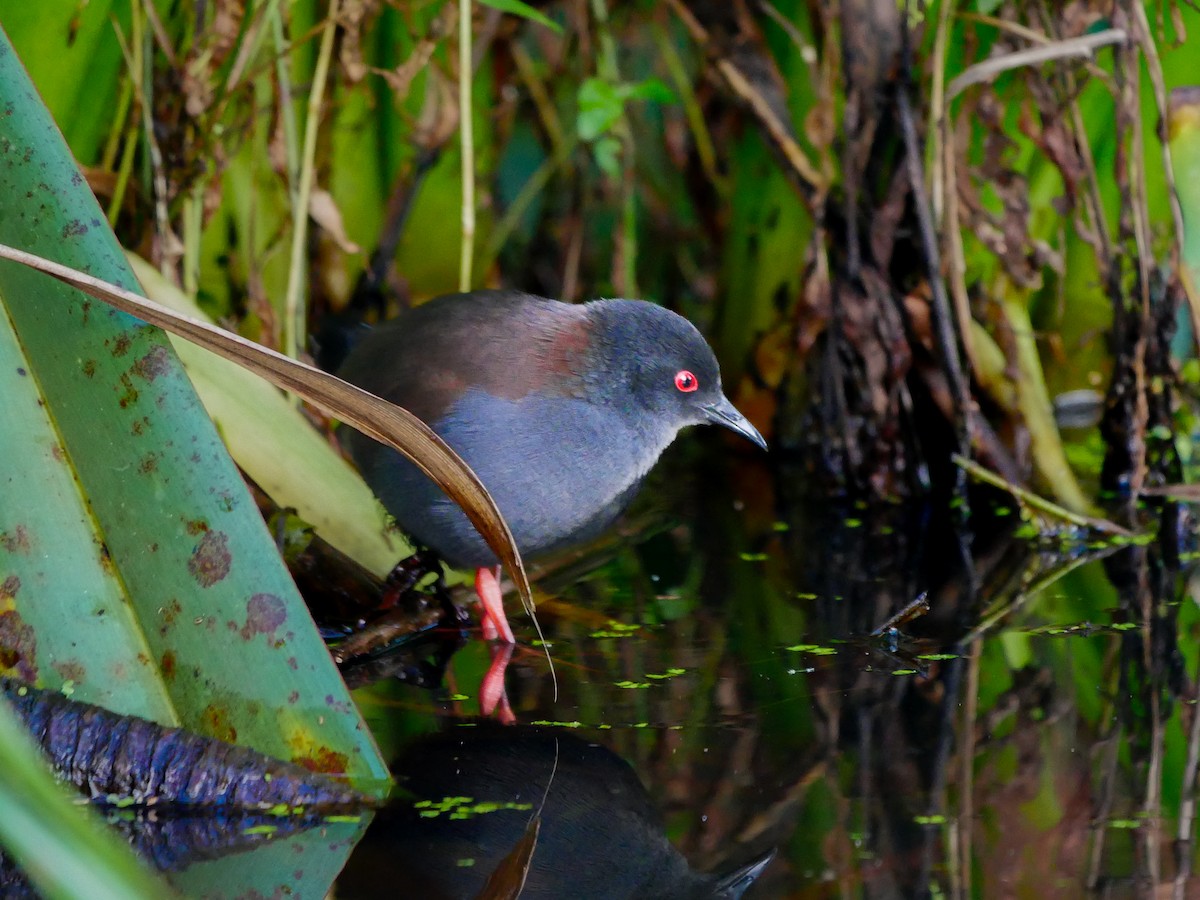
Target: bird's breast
column 559, row 468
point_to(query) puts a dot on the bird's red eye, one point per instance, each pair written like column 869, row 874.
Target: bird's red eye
column 686, row 381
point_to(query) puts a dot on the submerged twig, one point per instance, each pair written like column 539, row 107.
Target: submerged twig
column 1041, row 504
column 912, row 610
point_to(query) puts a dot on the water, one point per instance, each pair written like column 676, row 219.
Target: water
column 726, row 691
column 762, row 692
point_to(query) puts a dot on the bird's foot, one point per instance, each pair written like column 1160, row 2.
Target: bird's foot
column 405, row 575
column 493, row 620
column 492, row 696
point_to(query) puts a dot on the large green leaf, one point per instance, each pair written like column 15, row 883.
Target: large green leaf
column 278, row 447
column 192, row 616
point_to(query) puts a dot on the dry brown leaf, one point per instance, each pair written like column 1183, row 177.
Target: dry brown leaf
column 508, row 879
column 324, row 211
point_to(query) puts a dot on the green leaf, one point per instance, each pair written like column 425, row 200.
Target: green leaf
column 652, row 89
column 525, row 11
column 278, row 447
column 601, row 103
column 607, row 152
column 600, row 106
column 139, row 569
column 73, row 58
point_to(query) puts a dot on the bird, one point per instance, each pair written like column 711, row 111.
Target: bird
column 600, row 834
column 561, row 409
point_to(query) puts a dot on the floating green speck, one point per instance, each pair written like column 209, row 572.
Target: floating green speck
column 1127, row 824
column 753, row 557
column 670, row 673
column 814, row 649
column 261, row 829
column 616, row 629
column 930, row 820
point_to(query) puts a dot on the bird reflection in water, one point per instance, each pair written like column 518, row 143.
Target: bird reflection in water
column 476, row 789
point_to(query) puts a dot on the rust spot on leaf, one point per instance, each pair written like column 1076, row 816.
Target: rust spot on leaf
column 167, row 665
column 153, row 364
column 121, row 345
column 74, row 228
column 322, row 759
column 105, row 557
column 130, row 395
column 148, row 464
column 18, row 643
column 215, row 721
column 196, row 526
column 15, row 541
column 89, row 368
column 71, row 670
column 264, row 613
column 9, row 587
column 211, row 559
column 56, row 451
column 171, row 612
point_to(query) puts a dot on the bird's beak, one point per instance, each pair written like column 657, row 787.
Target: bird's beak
column 724, row 413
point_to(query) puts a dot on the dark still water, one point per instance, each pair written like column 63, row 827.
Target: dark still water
column 759, row 693
column 743, row 708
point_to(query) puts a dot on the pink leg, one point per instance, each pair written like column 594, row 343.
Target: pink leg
column 493, row 620
column 491, row 689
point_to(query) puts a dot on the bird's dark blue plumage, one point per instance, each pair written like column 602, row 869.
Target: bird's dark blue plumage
column 560, row 409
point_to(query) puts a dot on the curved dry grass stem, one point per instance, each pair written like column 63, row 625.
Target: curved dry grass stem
column 777, row 130
column 466, row 136
column 1080, row 47
column 374, row 417
column 295, row 300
